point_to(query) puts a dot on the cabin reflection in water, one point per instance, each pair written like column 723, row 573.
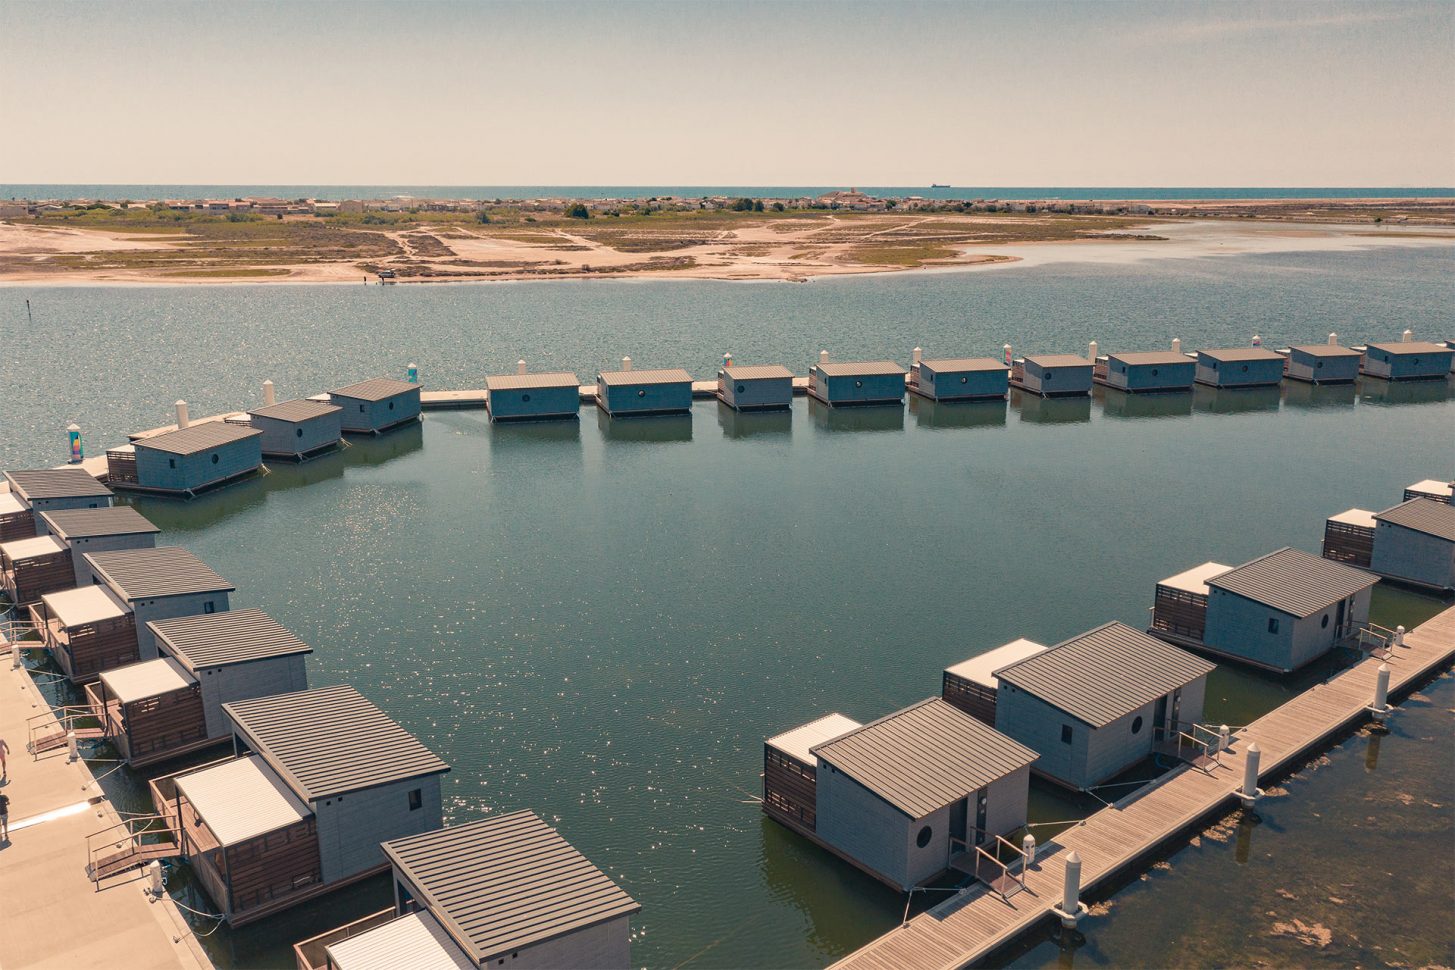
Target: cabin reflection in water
column 521, row 438
column 1299, row 394
column 865, row 418
column 957, row 414
column 1122, row 404
column 1377, row 391
column 1235, row 400
column 1035, row 409
column 658, row 428
column 749, row 424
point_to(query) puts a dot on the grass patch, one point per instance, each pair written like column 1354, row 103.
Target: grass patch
column 226, row 273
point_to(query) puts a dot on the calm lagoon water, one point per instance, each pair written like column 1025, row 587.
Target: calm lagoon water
column 602, row 620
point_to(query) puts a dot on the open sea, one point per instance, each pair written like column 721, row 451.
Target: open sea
column 601, row 620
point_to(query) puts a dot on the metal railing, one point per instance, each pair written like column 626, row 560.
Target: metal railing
column 310, row 952
column 1377, row 641
column 129, row 843
column 49, row 731
column 994, row 858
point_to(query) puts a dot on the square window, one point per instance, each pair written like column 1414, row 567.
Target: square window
column 416, row 799
column 209, row 607
column 1273, row 624
column 1065, row 734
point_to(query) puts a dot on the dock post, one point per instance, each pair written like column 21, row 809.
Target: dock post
column 1093, row 350
column 71, row 753
column 182, row 420
column 1006, row 352
column 917, row 356
column 1333, row 340
column 1028, row 852
column 1071, row 909
column 1399, row 636
column 1407, row 336
column 413, row 373
column 1225, row 739
column 1177, row 345
column 1380, row 708
column 626, row 363
column 520, row 367
column 154, row 879
column 727, row 360
column 1257, row 340
column 1250, row 792
column 823, row 356
column 15, row 656
column 268, row 398
column 73, row 438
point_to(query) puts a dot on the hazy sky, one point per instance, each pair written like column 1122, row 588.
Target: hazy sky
column 479, row 93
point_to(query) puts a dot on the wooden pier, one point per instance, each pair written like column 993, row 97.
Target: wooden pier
column 475, row 397
column 968, row 928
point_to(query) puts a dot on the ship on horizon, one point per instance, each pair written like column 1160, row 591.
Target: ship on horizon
column 937, row 185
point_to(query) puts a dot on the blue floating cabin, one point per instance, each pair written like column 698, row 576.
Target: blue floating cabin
column 99, row 530
column 49, row 489
column 500, row 891
column 158, row 584
column 1149, row 370
column 30, row 568
column 1052, row 375
column 188, row 460
column 1431, row 489
column 856, row 383
column 1414, row 543
column 1409, row 360
column 959, row 378
column 374, row 406
column 533, row 397
column 971, row 685
column 320, row 778
column 86, row 630
column 759, row 387
column 1239, row 367
column 1321, row 363
column 1102, row 702
column 629, row 392
column 297, row 429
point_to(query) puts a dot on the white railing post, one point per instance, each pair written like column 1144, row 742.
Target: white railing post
column 1250, row 792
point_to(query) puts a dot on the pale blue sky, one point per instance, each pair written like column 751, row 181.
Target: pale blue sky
column 1086, row 93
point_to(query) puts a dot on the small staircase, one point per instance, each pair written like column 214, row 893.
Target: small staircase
column 48, row 732
column 129, row 844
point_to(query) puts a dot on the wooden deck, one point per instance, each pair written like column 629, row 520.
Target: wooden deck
column 970, row 926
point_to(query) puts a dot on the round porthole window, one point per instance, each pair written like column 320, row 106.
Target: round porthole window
column 1137, row 724
column 858, row 383
column 923, row 839
column 1325, row 621
column 214, row 459
column 1245, row 368
column 525, row 397
column 1050, row 374
column 298, row 432
column 964, row 380
column 642, row 392
column 1154, row 372
column 742, row 388
column 1318, row 363
column 391, row 405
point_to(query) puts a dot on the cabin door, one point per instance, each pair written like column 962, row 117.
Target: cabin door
column 1159, row 717
column 1176, row 722
column 982, row 800
column 1339, row 619
column 959, row 825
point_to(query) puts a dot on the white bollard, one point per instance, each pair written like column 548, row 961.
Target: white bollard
column 1407, row 336
column 182, row 421
column 1333, row 340
column 154, row 879
column 520, row 367
column 1177, row 345
column 918, row 356
column 15, row 656
column 1380, row 707
column 1028, row 848
column 1225, row 740
column 1250, row 792
column 1257, row 340
column 268, row 397
column 1093, row 349
column 823, row 356
column 1071, row 908
column 71, row 752
column 1008, row 358
column 1399, row 636
column 626, row 363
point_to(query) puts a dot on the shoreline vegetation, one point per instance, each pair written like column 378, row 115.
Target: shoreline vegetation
column 303, row 241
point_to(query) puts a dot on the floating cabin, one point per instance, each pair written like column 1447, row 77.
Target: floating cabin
column 373, row 406
column 161, row 708
column 48, row 489
column 790, row 770
column 1143, row 371
column 1052, row 375
column 1239, row 367
column 971, row 685
column 321, row 777
column 622, row 393
column 86, row 630
column 99, row 530
column 959, row 378
column 760, row 387
column 505, row 891
column 157, row 584
column 16, row 519
column 1101, row 702
column 1284, row 610
column 297, row 429
column 1349, row 537
column 1179, row 608
column 1410, row 360
column 533, row 397
column 188, row 460
column 1431, row 489
column 913, row 794
column 1322, row 363
column 30, row 568
column 854, row 383
column 1414, row 543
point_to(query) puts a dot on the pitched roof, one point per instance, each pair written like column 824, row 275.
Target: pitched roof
column 503, row 883
column 981, row 669
column 376, row 389
column 1326, row 350
column 414, row 941
column 1232, row 354
column 242, row 799
column 924, row 757
column 1423, row 515
column 945, row 365
column 1405, row 347
column 139, row 574
column 230, row 637
column 672, row 376
column 84, row 604
column 43, row 483
column 331, row 740
column 114, row 520
column 1105, row 673
column 30, row 548
column 302, row 409
column 800, row 741
column 198, row 437
column 1294, row 582
column 1057, row 360
column 524, row 382
column 149, row 678
column 856, row 368
column 757, row 372
column 1148, row 358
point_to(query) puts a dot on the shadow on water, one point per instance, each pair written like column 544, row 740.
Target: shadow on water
column 1235, row 400
column 1035, row 409
column 512, row 437
column 748, row 424
column 870, row 417
column 1154, row 404
column 957, row 414
column 1298, row 394
column 1372, row 390
column 652, row 428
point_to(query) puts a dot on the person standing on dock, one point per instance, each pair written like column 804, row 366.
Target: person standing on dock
column 4, row 818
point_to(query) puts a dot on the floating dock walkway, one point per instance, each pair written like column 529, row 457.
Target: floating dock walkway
column 968, row 928
column 475, row 398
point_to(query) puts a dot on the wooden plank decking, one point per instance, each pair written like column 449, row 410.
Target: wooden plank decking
column 967, row 928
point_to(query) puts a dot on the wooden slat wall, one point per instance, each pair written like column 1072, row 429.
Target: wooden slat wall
column 30, row 579
column 1180, row 612
column 17, row 525
column 274, row 865
column 167, row 721
column 1352, row 544
column 974, row 699
column 100, row 646
column 790, row 789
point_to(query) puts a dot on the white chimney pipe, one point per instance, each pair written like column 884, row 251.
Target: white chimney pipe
column 182, row 421
column 268, row 398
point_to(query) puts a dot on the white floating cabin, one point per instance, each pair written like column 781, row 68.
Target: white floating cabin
column 99, row 530
column 843, row 384
column 376, row 405
column 1414, row 543
column 1148, row 370
column 1409, row 360
column 1431, row 489
column 157, row 584
column 1322, row 363
column 959, row 378
column 624, row 393
column 758, row 387
column 1179, row 608
column 1349, row 537
column 971, row 685
column 321, row 778
column 298, row 429
column 790, row 770
column 48, row 489
column 86, row 630
column 501, row 891
column 188, row 460
column 1239, row 367
column 30, row 568
column 1052, row 375
column 533, row 397
column 1099, row 703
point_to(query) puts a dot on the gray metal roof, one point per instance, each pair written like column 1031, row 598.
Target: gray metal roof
column 376, row 389
column 945, row 365
column 524, row 382
column 41, row 483
column 924, row 757
column 331, row 740
column 1151, row 358
column 198, row 437
column 1058, row 360
column 300, row 410
column 1294, row 582
column 1105, row 673
column 757, row 372
column 856, row 368
column 140, row 574
column 1423, row 515
column 624, row 377
column 1326, row 350
column 1405, row 347
column 1231, row 354
column 232, row 637
column 115, row 520
column 508, row 882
